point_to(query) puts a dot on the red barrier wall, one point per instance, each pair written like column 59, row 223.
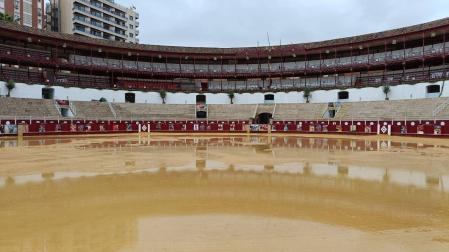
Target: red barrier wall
column 54, row 127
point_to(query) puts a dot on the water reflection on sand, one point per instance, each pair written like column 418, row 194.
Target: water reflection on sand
column 248, row 193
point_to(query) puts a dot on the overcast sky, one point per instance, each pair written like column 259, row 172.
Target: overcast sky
column 234, row 23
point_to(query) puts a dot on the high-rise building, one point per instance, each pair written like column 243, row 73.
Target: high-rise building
column 29, row 13
column 102, row 19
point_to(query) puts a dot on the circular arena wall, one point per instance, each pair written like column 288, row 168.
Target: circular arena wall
column 400, row 92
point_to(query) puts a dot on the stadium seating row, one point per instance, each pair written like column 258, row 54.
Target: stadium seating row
column 382, row 57
column 418, row 109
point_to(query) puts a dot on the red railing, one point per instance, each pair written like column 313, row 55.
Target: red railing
column 23, row 56
column 104, row 82
column 148, row 85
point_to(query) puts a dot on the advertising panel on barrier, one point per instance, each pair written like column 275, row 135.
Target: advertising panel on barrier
column 404, row 130
column 420, row 130
column 437, row 130
column 171, row 127
column 367, row 129
column 254, row 127
column 339, row 128
column 42, row 127
column 264, row 127
column 311, row 128
column 8, row 128
column 299, row 126
column 353, row 128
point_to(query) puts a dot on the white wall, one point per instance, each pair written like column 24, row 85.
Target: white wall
column 400, row 92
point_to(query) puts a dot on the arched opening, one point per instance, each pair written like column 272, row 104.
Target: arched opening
column 264, row 118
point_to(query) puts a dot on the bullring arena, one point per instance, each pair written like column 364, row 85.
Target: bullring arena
column 338, row 145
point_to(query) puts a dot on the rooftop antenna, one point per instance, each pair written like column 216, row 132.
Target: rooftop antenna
column 268, row 37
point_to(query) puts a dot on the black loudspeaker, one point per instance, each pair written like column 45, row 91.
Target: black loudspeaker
column 432, row 89
column 130, row 98
column 48, row 93
column 269, row 97
column 343, row 95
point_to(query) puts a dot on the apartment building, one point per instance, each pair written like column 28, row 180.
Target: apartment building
column 103, row 19
column 29, row 13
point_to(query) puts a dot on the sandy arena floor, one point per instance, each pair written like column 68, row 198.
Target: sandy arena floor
column 236, row 193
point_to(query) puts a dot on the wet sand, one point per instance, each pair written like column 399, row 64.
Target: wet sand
column 209, row 193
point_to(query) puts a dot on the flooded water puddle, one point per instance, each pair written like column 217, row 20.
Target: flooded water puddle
column 224, row 194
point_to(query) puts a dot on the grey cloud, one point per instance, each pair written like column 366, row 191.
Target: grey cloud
column 234, row 23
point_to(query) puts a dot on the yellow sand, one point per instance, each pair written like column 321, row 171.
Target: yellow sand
column 131, row 193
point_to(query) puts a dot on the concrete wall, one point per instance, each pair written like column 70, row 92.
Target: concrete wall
column 400, row 92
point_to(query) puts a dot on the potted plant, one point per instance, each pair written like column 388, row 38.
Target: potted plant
column 5, row 17
column 10, row 85
column 231, row 96
column 163, row 95
column 307, row 94
column 386, row 90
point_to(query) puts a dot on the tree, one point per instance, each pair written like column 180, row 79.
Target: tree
column 307, row 94
column 386, row 90
column 10, row 85
column 5, row 17
column 102, row 99
column 231, row 96
column 163, row 95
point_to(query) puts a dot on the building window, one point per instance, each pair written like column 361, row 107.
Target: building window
column 80, row 28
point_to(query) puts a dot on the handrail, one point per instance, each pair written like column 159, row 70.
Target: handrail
column 440, row 108
column 110, row 119
column 274, row 111
column 255, row 111
column 72, row 108
column 112, row 109
column 58, row 108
